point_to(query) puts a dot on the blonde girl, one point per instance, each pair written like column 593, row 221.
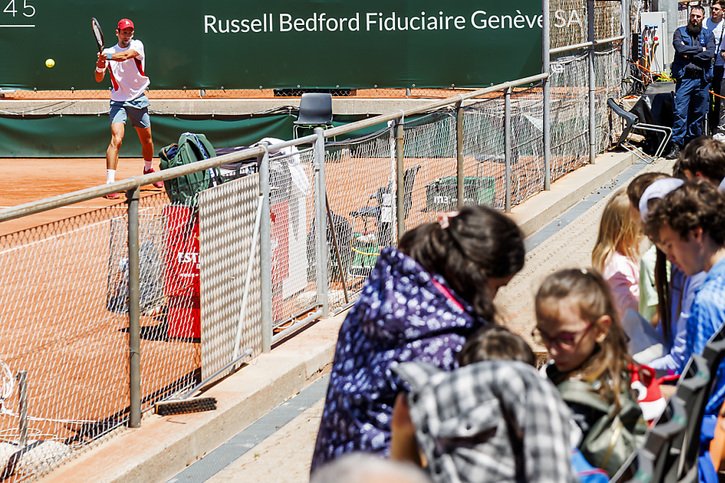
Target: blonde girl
column 578, row 324
column 616, row 252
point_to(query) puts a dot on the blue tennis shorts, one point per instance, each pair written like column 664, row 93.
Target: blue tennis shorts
column 136, row 109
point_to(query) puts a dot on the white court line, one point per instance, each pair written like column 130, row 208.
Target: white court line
column 17, row 26
column 78, row 229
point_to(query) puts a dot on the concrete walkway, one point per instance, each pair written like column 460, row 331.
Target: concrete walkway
column 278, row 447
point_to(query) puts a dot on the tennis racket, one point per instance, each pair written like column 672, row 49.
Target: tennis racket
column 97, row 33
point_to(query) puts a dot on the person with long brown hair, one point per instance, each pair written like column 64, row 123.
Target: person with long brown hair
column 616, row 252
column 577, row 322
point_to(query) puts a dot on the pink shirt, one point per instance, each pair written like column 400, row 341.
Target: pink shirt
column 622, row 275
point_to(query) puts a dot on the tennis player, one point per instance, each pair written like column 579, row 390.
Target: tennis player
column 126, row 63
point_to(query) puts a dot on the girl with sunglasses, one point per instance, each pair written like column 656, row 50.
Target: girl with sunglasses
column 578, row 324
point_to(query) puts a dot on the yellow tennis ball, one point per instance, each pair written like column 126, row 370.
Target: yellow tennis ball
column 49, row 63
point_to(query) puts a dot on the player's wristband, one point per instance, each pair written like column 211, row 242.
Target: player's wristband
column 108, row 56
column 100, row 71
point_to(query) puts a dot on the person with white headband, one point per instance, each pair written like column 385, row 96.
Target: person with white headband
column 676, row 356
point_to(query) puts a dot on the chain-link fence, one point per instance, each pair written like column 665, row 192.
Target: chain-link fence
column 189, row 285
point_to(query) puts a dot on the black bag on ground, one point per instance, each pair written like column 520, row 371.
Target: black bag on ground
column 183, row 190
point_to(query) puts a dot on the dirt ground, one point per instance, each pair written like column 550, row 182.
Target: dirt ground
column 30, row 179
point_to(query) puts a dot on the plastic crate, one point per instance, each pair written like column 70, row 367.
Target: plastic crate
column 441, row 194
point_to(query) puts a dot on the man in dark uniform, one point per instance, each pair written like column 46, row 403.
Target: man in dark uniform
column 692, row 70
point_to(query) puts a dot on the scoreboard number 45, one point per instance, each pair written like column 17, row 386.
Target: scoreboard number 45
column 14, row 8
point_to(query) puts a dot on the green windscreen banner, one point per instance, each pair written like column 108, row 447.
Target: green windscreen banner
column 277, row 43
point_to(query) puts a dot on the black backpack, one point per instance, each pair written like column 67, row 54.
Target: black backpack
column 191, row 147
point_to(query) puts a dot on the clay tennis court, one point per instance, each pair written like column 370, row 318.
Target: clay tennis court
column 54, row 319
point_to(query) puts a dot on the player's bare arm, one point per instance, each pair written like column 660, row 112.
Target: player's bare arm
column 125, row 55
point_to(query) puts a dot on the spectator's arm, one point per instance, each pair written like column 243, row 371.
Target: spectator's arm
column 709, row 50
column 403, row 445
column 682, row 47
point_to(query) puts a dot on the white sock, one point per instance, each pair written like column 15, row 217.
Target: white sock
column 110, row 175
column 147, row 164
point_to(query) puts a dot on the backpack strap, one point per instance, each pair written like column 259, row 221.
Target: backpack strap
column 579, row 392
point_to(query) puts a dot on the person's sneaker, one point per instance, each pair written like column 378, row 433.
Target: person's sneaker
column 674, row 152
column 112, row 196
column 158, row 184
column 720, row 137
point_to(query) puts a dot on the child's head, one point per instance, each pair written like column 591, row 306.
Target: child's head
column 577, row 322
column 477, row 252
column 640, row 183
column 619, row 231
column 495, row 342
column 689, row 225
column 703, row 157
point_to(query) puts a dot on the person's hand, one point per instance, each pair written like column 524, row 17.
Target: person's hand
column 403, row 445
column 401, row 421
column 101, row 61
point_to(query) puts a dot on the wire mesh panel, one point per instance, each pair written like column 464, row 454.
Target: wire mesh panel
column 168, row 250
column 569, row 114
column 484, row 144
column 609, row 74
column 527, row 144
column 430, row 159
column 230, row 289
column 292, row 209
column 358, row 173
column 60, row 326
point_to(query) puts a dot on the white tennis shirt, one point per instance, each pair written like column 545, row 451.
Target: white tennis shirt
column 128, row 78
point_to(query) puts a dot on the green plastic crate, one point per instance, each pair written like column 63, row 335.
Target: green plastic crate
column 441, row 194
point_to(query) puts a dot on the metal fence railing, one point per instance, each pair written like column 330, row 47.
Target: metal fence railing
column 108, row 312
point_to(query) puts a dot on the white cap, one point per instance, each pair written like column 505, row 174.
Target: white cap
column 658, row 189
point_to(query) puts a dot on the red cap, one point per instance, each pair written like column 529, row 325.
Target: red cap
column 124, row 23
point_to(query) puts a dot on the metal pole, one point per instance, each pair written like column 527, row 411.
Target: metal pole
column 507, row 148
column 265, row 253
column 400, row 179
column 134, row 310
column 592, row 85
column 546, row 94
column 23, row 406
column 336, row 246
column 460, row 176
column 627, row 41
column 321, row 227
column 247, row 280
